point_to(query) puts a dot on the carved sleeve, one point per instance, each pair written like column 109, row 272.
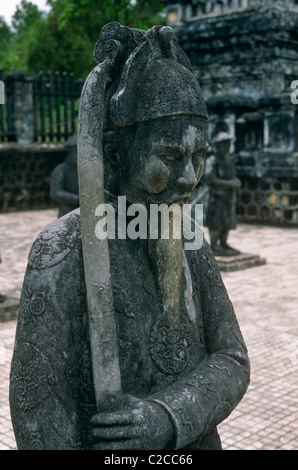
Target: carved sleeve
column 44, row 370
column 200, row 401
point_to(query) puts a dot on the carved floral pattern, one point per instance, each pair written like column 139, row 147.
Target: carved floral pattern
column 169, row 347
column 213, row 273
column 122, row 302
column 124, row 351
column 54, row 243
column 33, row 306
column 202, row 383
column 220, row 365
column 113, row 34
column 32, row 377
column 177, row 406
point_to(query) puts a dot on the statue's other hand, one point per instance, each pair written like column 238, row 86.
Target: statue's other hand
column 140, row 425
column 236, row 183
column 233, row 183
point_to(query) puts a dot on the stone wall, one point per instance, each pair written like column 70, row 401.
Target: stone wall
column 179, row 11
column 25, row 174
column 244, row 54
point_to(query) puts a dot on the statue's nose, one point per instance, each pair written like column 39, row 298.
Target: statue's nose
column 188, row 180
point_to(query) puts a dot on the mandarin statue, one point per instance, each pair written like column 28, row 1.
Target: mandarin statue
column 128, row 342
column 223, row 185
column 64, row 187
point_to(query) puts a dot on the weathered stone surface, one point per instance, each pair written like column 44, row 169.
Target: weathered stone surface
column 245, row 57
column 130, row 343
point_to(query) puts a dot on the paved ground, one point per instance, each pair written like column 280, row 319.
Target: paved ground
column 266, row 303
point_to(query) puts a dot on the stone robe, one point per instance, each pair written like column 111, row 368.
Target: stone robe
column 198, row 375
column 221, row 210
column 64, row 188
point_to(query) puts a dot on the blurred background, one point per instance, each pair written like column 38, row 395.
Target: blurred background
column 245, row 56
column 243, row 52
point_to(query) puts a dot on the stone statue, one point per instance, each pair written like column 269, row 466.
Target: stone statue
column 221, row 212
column 2, row 297
column 128, row 342
column 64, row 188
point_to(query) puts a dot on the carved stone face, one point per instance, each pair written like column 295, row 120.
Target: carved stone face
column 223, row 148
column 165, row 161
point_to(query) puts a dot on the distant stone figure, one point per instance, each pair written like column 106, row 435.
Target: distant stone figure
column 128, row 342
column 2, row 297
column 223, row 185
column 64, row 189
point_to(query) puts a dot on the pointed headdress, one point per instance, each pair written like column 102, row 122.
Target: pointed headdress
column 140, row 76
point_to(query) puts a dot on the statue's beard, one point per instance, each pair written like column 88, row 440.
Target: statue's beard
column 166, row 261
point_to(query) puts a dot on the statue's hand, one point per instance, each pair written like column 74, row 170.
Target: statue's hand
column 141, row 425
column 236, row 183
column 233, row 183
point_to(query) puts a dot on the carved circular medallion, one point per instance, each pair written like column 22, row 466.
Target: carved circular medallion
column 169, row 347
column 31, row 377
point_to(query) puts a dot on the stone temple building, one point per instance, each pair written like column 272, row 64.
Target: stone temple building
column 245, row 56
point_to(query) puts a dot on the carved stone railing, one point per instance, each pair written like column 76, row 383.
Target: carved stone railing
column 199, row 8
column 184, row 10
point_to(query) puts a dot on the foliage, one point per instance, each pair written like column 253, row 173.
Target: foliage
column 26, row 13
column 5, row 42
column 64, row 38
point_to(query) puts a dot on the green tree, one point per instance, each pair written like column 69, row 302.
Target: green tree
column 5, row 33
column 64, row 38
column 17, row 39
column 91, row 15
column 73, row 27
column 25, row 16
column 6, row 36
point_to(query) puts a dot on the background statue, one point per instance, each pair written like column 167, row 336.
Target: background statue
column 64, row 188
column 128, row 343
column 2, row 297
column 223, row 184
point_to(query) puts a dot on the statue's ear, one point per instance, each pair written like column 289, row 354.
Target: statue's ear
column 108, row 137
column 109, row 144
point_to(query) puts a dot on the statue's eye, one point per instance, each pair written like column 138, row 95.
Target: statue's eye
column 197, row 157
column 170, row 155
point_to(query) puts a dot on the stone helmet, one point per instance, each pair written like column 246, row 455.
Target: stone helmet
column 152, row 76
column 222, row 137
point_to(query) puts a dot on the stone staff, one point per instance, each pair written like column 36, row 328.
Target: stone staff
column 100, row 304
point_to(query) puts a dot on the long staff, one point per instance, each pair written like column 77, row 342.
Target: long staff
column 102, row 327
